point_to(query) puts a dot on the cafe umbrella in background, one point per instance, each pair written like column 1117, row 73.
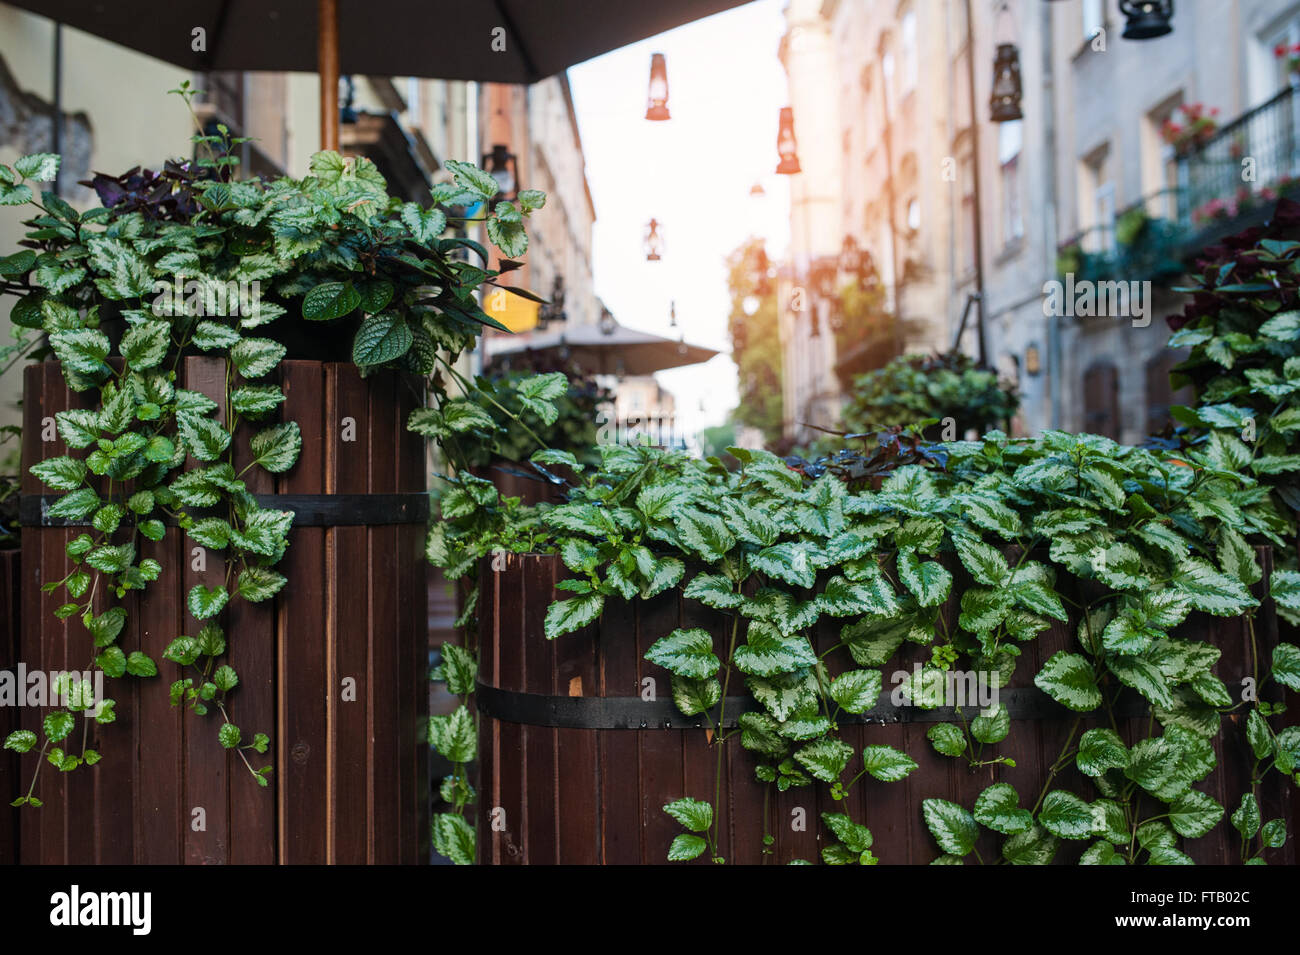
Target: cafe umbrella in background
column 606, row 348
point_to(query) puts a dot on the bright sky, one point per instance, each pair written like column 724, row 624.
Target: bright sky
column 693, row 173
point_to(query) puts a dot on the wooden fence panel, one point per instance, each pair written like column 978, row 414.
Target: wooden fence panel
column 350, row 776
column 660, row 755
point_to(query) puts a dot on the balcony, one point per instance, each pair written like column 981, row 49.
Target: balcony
column 1209, row 201
column 1239, row 173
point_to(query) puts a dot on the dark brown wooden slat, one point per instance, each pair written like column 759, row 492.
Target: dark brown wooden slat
column 487, row 841
column 577, row 802
column 30, row 830
column 301, row 665
column 161, row 814
column 506, row 589
column 352, row 629
column 412, row 632
column 10, row 635
column 250, row 650
column 620, row 838
column 54, row 643
column 541, row 812
column 207, row 763
column 660, row 757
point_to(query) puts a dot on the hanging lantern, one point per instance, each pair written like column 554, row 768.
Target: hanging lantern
column 552, row 311
column 654, row 242
column 658, row 106
column 1005, row 100
column 607, row 323
column 1147, row 19
column 500, row 165
column 786, row 145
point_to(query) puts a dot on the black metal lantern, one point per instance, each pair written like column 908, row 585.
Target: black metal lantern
column 786, row 145
column 500, row 165
column 654, row 242
column 1147, row 19
column 657, row 109
column 552, row 311
column 1005, row 99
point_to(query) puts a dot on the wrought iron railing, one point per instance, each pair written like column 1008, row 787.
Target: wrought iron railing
column 1245, row 162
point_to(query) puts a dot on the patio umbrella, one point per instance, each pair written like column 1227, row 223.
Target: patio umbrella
column 490, row 41
column 620, row 351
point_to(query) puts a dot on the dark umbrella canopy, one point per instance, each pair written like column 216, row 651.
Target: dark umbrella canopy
column 623, row 351
column 442, row 39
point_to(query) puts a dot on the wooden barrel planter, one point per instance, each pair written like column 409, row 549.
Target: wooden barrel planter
column 349, row 783
column 576, row 766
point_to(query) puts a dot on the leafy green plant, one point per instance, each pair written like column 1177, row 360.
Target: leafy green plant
column 918, row 388
column 191, row 261
column 520, row 429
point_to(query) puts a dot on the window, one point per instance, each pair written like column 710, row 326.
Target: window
column 1094, row 18
column 914, row 215
column 907, row 29
column 1097, row 201
column 1159, row 167
column 1010, row 144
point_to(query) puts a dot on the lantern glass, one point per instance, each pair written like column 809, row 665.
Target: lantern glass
column 786, row 145
column 657, row 107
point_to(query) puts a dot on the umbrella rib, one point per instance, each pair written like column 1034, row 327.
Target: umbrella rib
column 529, row 65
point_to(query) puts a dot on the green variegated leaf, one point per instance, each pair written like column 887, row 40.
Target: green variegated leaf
column 928, row 581
column 953, row 827
column 688, row 653
column 1068, row 679
column 856, row 691
column 825, row 759
column 886, row 763
column 998, row 808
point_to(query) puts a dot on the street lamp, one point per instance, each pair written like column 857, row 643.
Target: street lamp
column 658, row 106
column 654, row 242
column 500, row 165
column 1147, row 19
column 786, row 145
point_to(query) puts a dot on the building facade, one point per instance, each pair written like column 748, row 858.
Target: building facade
column 963, row 216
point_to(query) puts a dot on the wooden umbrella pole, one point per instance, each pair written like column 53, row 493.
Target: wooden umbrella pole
column 327, row 64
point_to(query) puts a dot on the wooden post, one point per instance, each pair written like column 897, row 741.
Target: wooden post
column 327, row 64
